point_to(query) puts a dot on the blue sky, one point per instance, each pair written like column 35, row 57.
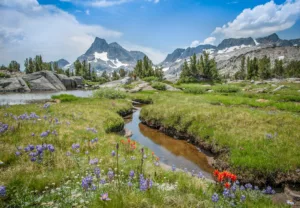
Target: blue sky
column 156, row 27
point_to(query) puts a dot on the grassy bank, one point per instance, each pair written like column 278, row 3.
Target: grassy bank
column 261, row 143
column 84, row 159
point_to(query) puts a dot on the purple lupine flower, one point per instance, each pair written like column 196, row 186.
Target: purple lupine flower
column 97, row 172
column 185, row 170
column 56, row 120
column 200, row 175
column 94, row 161
column 33, row 134
column 110, row 174
column 46, row 106
column 54, row 133
column 45, row 117
column 113, row 153
column 3, row 128
column 33, row 159
column 45, row 147
column 39, row 148
column 248, row 186
column 44, row 134
column 93, row 187
column 173, row 168
column 256, row 188
column 92, row 141
column 18, row 153
column 33, row 115
column 50, row 147
column 226, row 193
column 145, row 184
column 193, row 173
column 129, row 183
column 2, row 191
column 31, row 147
column 215, row 197
column 102, row 181
column 92, row 130
column 131, row 174
column 233, row 187
column 232, row 195
column 269, row 136
column 87, row 182
column 96, row 139
column 68, row 153
column 242, row 188
column 243, row 198
column 269, row 191
column 75, row 146
column 33, row 154
column 104, row 197
column 26, row 149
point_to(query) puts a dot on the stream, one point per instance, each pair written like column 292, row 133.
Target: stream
column 170, row 151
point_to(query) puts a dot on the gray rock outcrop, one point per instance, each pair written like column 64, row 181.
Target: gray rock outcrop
column 14, row 84
column 68, row 82
column 44, row 81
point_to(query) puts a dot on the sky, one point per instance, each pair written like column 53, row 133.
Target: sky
column 66, row 28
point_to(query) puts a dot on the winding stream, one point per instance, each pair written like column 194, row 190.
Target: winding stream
column 170, row 151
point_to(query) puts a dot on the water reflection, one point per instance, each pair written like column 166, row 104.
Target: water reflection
column 171, row 151
column 23, row 98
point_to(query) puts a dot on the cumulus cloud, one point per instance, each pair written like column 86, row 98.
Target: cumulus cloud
column 262, row 20
column 209, row 40
column 29, row 29
column 106, row 3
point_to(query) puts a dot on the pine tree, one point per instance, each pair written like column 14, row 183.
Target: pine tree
column 264, row 68
column 122, row 72
column 193, row 66
column 278, row 68
column 115, row 75
column 77, row 66
column 94, row 75
column 14, row 66
column 68, row 72
column 105, row 76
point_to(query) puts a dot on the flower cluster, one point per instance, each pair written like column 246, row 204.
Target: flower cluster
column 38, row 154
column 94, row 140
column 46, row 106
column 2, row 191
column 94, row 161
column 145, row 184
column 130, row 144
column 225, row 178
column 92, row 130
column 3, row 127
column 268, row 190
column 87, row 182
column 76, row 147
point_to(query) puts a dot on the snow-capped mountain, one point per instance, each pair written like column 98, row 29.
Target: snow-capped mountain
column 229, row 52
column 62, row 63
column 104, row 56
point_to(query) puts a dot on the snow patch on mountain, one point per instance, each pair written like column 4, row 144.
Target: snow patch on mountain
column 166, row 69
column 233, row 48
column 101, row 56
column 280, row 57
column 178, row 60
column 255, row 41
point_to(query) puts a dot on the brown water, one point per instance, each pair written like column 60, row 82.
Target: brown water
column 170, row 151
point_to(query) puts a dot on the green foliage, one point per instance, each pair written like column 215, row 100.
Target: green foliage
column 226, row 88
column 194, row 90
column 159, row 86
column 109, row 93
column 151, row 79
column 65, row 97
column 203, row 68
column 144, row 68
column 14, row 66
column 3, row 75
column 122, row 72
column 115, row 75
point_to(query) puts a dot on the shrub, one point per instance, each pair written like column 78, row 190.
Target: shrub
column 159, row 86
column 151, row 79
column 65, row 97
column 226, row 89
column 109, row 93
column 194, row 90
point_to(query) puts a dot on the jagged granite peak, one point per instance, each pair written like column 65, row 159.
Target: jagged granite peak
column 99, row 45
column 112, row 56
column 230, row 42
column 174, row 56
column 273, row 39
column 62, row 63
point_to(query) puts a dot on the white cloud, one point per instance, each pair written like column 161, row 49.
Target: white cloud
column 262, row 20
column 209, row 40
column 155, row 55
column 29, row 29
column 106, row 3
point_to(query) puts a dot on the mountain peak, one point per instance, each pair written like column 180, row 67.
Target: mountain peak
column 230, row 42
column 99, row 45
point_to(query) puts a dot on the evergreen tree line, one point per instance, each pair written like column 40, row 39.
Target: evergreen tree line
column 37, row 64
column 204, row 67
column 262, row 69
column 12, row 67
column 144, row 68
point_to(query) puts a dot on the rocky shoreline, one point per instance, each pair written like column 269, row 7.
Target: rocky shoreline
column 40, row 81
column 276, row 179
